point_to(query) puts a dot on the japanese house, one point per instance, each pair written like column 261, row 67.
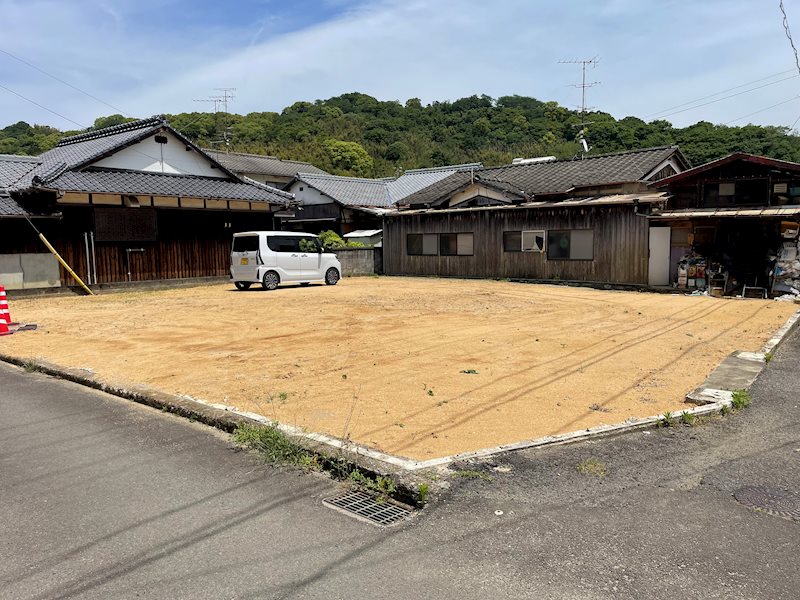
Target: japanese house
column 270, row 170
column 571, row 220
column 731, row 224
column 136, row 201
column 347, row 204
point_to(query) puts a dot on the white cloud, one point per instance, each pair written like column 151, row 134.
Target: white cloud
column 654, row 55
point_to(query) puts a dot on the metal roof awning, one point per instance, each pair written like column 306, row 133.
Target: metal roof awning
column 773, row 212
column 362, row 233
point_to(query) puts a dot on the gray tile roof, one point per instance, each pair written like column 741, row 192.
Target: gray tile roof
column 564, row 175
column 381, row 193
column 350, row 191
column 9, row 207
column 240, row 162
column 415, row 180
column 78, row 150
column 67, row 167
column 455, row 182
column 14, row 167
column 102, row 181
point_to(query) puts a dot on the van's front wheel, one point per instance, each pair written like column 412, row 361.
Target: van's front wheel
column 270, row 280
column 242, row 285
column 332, row 276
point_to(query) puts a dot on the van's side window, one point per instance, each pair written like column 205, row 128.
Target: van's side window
column 280, row 243
column 245, row 243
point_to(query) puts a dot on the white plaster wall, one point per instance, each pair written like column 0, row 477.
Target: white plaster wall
column 308, row 195
column 146, row 156
column 476, row 190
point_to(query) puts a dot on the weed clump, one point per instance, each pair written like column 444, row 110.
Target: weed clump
column 741, row 399
column 593, row 467
column 274, row 446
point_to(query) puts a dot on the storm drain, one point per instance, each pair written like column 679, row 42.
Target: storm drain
column 780, row 503
column 363, row 506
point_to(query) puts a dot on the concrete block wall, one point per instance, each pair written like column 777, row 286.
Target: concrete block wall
column 360, row 261
column 29, row 271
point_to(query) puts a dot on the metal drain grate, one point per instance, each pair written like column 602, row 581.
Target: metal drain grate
column 780, row 503
column 363, row 506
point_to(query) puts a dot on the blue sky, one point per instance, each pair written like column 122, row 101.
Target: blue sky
column 154, row 56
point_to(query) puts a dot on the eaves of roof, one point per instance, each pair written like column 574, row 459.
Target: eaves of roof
column 736, row 156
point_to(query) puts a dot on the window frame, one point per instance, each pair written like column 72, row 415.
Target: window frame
column 512, row 232
column 542, row 249
column 422, row 244
column 569, row 248
column 442, row 236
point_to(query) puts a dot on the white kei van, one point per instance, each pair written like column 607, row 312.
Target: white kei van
column 275, row 257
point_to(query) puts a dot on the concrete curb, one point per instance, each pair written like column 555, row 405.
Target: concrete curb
column 228, row 418
column 740, row 369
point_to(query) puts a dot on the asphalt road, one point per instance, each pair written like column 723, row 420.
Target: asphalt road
column 102, row 498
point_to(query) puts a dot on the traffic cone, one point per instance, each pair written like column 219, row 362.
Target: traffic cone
column 4, row 312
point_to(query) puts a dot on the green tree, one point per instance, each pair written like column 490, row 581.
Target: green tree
column 349, row 157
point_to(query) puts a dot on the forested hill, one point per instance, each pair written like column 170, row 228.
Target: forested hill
column 355, row 134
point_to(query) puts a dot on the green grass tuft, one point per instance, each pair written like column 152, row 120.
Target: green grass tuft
column 274, row 446
column 741, row 399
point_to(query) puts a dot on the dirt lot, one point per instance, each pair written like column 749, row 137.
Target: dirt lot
column 417, row 367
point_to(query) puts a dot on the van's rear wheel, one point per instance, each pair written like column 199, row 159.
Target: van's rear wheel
column 270, row 280
column 332, row 276
column 242, row 285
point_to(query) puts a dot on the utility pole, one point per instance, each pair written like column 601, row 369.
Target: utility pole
column 583, row 85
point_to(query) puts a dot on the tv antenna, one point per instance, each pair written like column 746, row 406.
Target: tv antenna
column 583, row 85
column 227, row 96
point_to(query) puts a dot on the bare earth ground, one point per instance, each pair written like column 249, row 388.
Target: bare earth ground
column 382, row 360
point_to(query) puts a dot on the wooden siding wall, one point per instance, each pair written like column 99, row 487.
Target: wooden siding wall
column 620, row 245
column 190, row 244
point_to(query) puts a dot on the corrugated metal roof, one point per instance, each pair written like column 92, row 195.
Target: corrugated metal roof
column 772, row 211
column 362, row 233
column 241, row 162
column 610, row 200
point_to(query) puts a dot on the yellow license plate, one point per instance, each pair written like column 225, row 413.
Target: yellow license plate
column 244, row 261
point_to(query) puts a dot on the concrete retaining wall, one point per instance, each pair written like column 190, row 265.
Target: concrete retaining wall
column 360, row 261
column 29, row 271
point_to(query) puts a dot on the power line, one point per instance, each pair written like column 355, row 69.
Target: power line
column 677, row 112
column 789, row 35
column 763, row 110
column 42, row 107
column 722, row 92
column 77, row 89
